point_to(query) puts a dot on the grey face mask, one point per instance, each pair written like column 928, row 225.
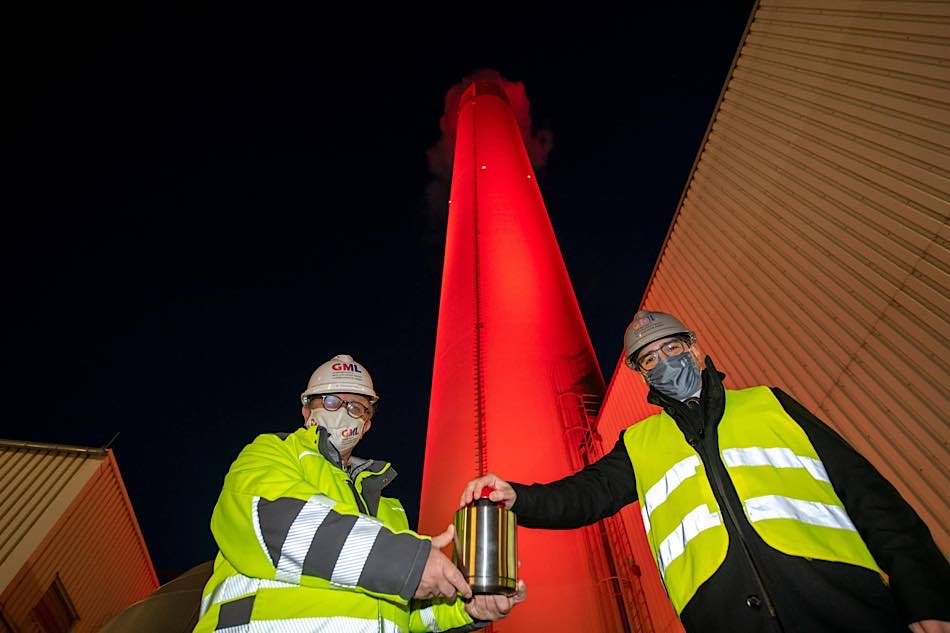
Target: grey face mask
column 678, row 377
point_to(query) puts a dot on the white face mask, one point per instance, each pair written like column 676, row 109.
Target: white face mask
column 345, row 430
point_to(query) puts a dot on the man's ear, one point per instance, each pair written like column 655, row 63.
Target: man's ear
column 366, row 426
column 698, row 355
column 305, row 411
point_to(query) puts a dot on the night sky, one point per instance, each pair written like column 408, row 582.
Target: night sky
column 202, row 205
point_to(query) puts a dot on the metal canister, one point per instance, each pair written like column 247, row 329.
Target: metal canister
column 486, row 546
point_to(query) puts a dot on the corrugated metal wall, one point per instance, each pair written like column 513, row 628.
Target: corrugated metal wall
column 810, row 248
column 94, row 544
column 38, row 483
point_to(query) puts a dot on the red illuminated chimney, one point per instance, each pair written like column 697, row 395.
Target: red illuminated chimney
column 515, row 381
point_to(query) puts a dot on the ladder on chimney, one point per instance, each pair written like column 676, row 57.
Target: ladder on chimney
column 619, row 571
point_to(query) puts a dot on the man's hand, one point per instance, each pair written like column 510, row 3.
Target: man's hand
column 930, row 626
column 441, row 578
column 503, row 492
column 493, row 607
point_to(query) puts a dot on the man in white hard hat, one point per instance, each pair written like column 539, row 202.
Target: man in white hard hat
column 758, row 515
column 308, row 543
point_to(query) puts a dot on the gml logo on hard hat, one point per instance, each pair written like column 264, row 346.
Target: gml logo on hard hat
column 340, row 374
column 643, row 320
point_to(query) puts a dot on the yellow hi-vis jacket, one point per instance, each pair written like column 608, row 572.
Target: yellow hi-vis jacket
column 306, row 546
column 780, row 480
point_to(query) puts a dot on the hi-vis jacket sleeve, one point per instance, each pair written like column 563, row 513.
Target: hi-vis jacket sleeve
column 272, row 523
column 448, row 616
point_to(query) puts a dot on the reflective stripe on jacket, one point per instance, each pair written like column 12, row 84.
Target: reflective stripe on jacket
column 781, row 483
column 306, row 546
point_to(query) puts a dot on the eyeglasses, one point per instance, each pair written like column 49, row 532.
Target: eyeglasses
column 332, row 402
column 650, row 359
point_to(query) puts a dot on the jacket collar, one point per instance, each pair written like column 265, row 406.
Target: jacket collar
column 356, row 465
column 327, row 449
column 379, row 473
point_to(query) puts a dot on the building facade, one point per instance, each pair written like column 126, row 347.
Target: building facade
column 811, row 246
column 72, row 555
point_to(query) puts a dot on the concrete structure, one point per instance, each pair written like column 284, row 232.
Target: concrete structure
column 513, row 362
column 71, row 552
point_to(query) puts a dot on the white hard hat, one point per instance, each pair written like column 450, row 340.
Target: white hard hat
column 648, row 327
column 340, row 374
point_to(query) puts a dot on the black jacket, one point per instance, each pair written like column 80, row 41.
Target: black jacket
column 758, row 588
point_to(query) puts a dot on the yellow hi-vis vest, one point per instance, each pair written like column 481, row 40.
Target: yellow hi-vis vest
column 781, row 482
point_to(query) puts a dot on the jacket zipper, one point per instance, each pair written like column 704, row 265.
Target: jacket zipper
column 713, row 467
column 359, row 500
column 356, row 495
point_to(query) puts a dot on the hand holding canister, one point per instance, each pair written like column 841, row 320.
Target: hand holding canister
column 486, row 548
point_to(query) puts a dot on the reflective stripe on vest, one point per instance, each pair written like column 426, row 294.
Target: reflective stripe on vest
column 697, row 521
column 237, row 586
column 784, row 488
column 310, row 538
column 239, row 591
column 314, row 625
column 810, row 512
column 428, row 618
column 671, row 480
column 782, row 483
column 680, row 514
column 294, row 549
column 775, row 457
column 779, row 507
